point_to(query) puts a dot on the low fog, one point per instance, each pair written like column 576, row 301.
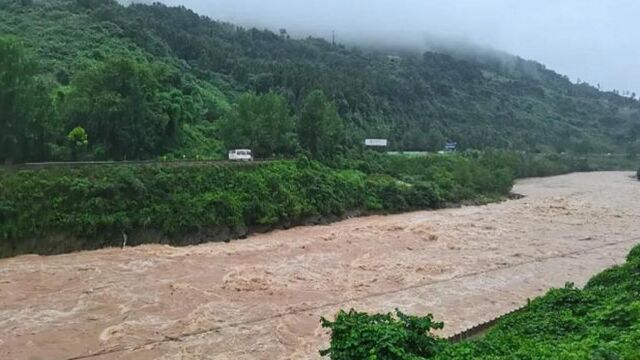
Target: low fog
column 592, row 40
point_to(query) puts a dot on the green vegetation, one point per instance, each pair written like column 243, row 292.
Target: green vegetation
column 320, row 127
column 122, row 106
column 382, row 336
column 150, row 81
column 262, row 123
column 540, row 165
column 63, row 209
column 23, row 104
column 601, row 321
column 66, row 209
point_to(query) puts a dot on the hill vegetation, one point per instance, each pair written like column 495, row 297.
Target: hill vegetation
column 150, row 81
column 601, row 321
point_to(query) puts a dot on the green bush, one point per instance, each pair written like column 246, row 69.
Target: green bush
column 357, row 335
column 88, row 208
column 92, row 207
column 634, row 255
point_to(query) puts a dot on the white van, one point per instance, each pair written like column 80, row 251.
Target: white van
column 240, row 155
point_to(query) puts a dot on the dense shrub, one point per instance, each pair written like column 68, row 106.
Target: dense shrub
column 539, row 165
column 92, row 207
column 634, row 255
column 383, row 336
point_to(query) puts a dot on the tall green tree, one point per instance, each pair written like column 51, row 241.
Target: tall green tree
column 78, row 141
column 262, row 123
column 24, row 105
column 414, row 139
column 435, row 140
column 120, row 103
column 320, row 128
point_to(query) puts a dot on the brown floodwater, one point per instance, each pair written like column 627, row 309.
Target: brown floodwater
column 262, row 298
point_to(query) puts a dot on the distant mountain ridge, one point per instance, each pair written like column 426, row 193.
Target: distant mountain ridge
column 477, row 100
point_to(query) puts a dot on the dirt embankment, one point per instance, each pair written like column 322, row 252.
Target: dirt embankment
column 262, row 298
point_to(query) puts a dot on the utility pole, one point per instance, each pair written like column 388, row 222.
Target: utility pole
column 333, row 38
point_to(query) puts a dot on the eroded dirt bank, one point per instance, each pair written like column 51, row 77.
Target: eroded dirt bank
column 262, row 298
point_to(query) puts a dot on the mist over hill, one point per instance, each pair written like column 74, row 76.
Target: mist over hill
column 590, row 40
column 184, row 76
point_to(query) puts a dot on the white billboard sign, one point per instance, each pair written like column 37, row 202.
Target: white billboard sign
column 376, row 142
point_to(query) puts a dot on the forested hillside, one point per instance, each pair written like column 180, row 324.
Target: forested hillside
column 92, row 79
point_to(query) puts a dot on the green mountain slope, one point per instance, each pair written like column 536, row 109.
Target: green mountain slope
column 193, row 69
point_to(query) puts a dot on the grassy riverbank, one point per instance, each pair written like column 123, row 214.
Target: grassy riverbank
column 60, row 210
column 64, row 209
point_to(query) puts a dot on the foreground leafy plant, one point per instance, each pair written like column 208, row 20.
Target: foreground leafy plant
column 358, row 335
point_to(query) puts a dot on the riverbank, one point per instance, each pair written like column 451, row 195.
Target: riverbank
column 60, row 210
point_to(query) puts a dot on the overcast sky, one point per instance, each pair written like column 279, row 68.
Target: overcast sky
column 595, row 40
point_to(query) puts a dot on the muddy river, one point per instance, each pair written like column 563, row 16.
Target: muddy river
column 262, row 298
